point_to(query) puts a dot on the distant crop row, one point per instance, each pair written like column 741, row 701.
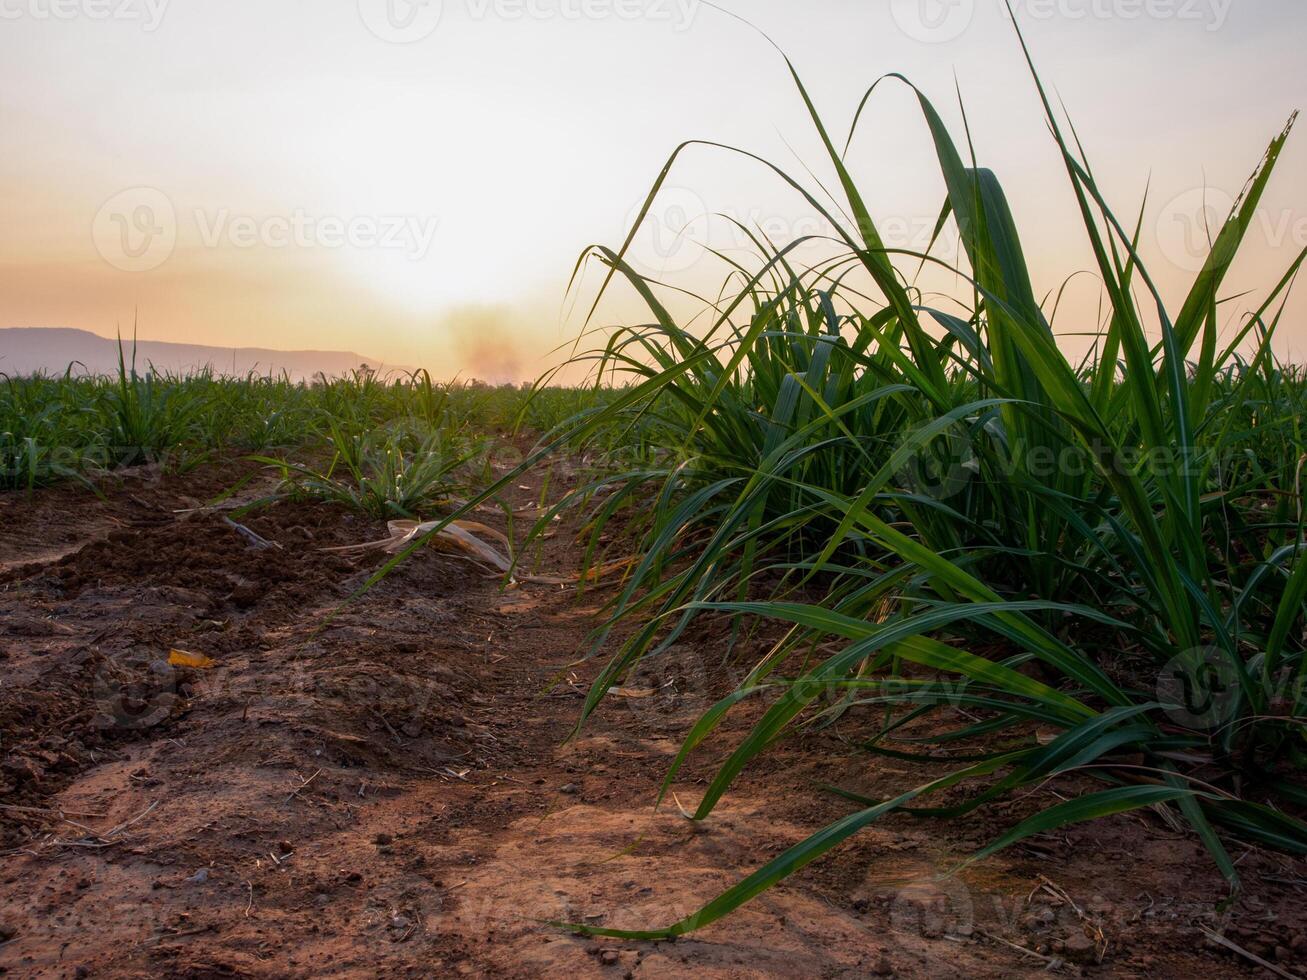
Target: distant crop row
column 390, row 446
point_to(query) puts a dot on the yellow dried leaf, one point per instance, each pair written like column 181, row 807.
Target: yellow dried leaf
column 180, row 658
column 631, row 692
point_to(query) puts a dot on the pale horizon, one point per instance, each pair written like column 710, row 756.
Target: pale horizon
column 418, row 190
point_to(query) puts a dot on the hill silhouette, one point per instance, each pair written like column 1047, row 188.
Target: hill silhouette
column 50, row 350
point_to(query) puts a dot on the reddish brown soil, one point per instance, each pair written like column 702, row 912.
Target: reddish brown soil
column 391, row 792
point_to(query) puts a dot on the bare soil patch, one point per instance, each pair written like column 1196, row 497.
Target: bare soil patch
column 390, row 790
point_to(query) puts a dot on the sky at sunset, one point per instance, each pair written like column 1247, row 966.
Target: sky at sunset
column 416, row 181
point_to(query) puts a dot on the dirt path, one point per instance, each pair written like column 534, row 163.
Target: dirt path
column 395, row 794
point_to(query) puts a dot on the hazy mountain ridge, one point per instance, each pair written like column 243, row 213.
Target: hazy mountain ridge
column 27, row 350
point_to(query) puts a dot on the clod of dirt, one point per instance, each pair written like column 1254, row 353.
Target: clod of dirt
column 1079, row 946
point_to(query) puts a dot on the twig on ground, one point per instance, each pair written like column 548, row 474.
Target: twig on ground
column 52, row 811
column 1216, row 937
column 299, row 789
column 257, row 541
column 135, row 820
column 1051, row 961
column 1056, row 890
column 384, row 721
column 96, row 840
